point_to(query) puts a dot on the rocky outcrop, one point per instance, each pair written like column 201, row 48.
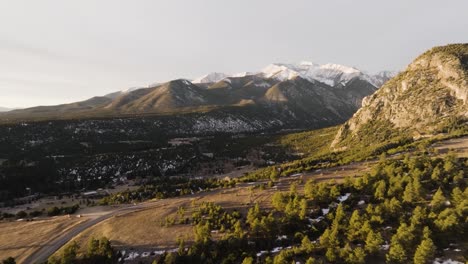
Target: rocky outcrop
column 427, row 97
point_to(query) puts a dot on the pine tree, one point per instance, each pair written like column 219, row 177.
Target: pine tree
column 9, row 260
column 69, row 254
column 238, row 230
column 418, row 216
column 202, row 232
column 446, row 219
column 359, row 255
column 248, row 260
column 274, row 175
column 380, row 190
column 438, row 200
column 409, row 194
column 373, row 242
column 331, row 254
column 307, row 245
column 436, row 174
column 355, row 224
column 426, row 250
column 254, row 213
column 396, row 254
column 93, row 247
column 303, row 209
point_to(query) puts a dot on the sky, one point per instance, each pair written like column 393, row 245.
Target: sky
column 55, row 51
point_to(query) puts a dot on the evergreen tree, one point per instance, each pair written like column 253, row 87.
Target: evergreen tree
column 436, row 174
column 418, row 216
column 303, row 209
column 307, row 245
column 69, row 253
column 355, row 225
column 409, row 194
column 248, row 260
column 446, row 220
column 373, row 242
column 397, row 253
column 274, row 175
column 93, row 247
column 202, row 233
column 254, row 213
column 9, row 260
column 438, row 200
column 331, row 254
column 426, row 250
column 380, row 190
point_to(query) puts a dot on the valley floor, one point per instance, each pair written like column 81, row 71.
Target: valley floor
column 142, row 227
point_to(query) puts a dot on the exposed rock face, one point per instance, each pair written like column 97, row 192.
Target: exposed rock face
column 429, row 95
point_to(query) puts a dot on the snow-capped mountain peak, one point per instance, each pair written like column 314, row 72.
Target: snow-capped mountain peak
column 339, row 68
column 330, row 73
column 211, row 77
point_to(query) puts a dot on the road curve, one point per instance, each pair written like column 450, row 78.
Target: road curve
column 42, row 254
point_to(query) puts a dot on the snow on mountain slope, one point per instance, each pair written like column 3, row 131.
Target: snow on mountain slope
column 330, row 74
column 211, row 78
column 119, row 93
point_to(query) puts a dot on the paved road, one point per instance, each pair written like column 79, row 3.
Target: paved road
column 42, row 254
column 48, row 249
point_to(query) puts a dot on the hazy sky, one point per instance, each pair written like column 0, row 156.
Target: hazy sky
column 61, row 51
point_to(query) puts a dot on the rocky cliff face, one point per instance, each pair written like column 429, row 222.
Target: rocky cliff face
column 426, row 98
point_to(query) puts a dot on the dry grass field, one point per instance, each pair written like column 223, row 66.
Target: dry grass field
column 147, row 230
column 20, row 239
column 458, row 145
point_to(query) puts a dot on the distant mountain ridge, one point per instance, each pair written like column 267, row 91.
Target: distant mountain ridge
column 5, row 109
column 287, row 94
column 331, row 74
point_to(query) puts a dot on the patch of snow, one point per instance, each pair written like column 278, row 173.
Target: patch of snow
column 132, row 256
column 384, row 247
column 316, row 220
column 282, row 237
column 276, row 249
column 446, row 261
column 325, row 211
column 344, row 197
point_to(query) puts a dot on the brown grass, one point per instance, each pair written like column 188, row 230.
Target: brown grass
column 20, row 239
column 458, row 145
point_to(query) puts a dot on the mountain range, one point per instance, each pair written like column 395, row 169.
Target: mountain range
column 305, row 93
